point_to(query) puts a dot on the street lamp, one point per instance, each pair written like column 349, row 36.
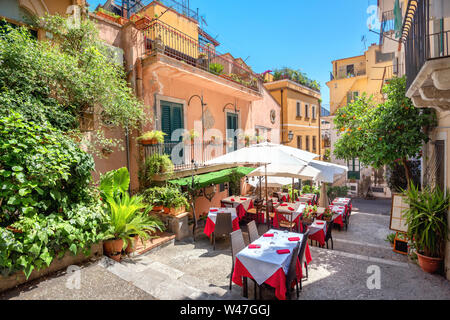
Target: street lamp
column 290, row 137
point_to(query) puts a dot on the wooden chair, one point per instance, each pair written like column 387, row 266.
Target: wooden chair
column 252, row 231
column 226, row 204
column 237, row 244
column 283, row 223
column 224, row 226
column 257, row 211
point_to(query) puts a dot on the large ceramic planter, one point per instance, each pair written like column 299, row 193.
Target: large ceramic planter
column 113, row 248
column 429, row 264
column 158, row 208
column 132, row 244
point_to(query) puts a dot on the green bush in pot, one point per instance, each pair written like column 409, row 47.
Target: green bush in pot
column 426, row 218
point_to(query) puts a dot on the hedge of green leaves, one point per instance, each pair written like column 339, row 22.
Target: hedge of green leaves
column 45, row 194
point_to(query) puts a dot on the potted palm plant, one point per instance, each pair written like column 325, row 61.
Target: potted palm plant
column 426, row 218
column 151, row 137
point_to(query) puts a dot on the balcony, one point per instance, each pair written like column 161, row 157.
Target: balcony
column 164, row 39
column 187, row 156
column 421, row 44
column 387, row 25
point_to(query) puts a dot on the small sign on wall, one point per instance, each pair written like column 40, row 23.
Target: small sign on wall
column 398, row 222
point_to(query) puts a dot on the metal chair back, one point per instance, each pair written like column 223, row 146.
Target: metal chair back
column 237, row 243
column 252, row 231
column 224, row 224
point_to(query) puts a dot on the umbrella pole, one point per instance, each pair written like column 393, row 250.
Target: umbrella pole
column 267, row 198
column 292, row 200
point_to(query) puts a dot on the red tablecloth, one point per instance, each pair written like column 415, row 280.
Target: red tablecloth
column 319, row 236
column 209, row 227
column 275, row 219
column 240, row 210
column 277, row 280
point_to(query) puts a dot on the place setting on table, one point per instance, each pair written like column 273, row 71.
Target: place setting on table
column 212, row 218
column 266, row 260
column 241, row 203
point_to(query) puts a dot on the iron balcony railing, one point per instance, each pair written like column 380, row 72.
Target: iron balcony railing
column 187, row 155
column 163, row 38
column 387, row 24
column 421, row 45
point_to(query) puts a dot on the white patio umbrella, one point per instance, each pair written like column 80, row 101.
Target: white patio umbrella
column 272, row 182
column 266, row 153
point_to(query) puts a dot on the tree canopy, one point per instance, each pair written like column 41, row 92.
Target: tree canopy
column 382, row 134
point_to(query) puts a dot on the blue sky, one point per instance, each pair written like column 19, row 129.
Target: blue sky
column 300, row 34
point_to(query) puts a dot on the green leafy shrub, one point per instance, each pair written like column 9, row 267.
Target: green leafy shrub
column 337, row 191
column 427, row 219
column 216, row 68
column 42, row 238
column 41, row 171
column 154, row 165
column 155, row 134
column 170, row 197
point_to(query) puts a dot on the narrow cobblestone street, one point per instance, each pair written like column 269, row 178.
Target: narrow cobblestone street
column 188, row 270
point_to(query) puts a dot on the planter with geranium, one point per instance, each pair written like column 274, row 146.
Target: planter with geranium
column 151, row 137
column 327, row 215
column 190, row 136
column 309, row 214
column 427, row 223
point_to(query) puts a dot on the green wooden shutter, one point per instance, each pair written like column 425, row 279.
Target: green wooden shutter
column 176, row 118
column 165, row 122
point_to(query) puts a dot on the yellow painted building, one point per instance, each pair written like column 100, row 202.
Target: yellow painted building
column 300, row 114
column 355, row 75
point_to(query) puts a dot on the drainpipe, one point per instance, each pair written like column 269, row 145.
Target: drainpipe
column 281, row 115
column 320, row 131
column 127, row 146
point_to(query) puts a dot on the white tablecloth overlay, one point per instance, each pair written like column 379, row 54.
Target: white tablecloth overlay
column 213, row 215
column 262, row 263
column 338, row 209
column 314, row 227
column 344, row 201
column 245, row 203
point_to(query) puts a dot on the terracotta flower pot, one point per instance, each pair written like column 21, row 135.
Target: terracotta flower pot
column 158, row 208
column 113, row 248
column 429, row 264
column 147, row 142
column 176, row 211
column 132, row 244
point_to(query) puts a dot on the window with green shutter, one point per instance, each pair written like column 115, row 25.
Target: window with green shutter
column 171, row 120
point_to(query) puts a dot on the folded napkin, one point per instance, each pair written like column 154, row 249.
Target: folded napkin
column 254, row 246
column 268, row 235
column 294, row 239
column 213, row 210
column 319, row 222
column 283, row 204
column 232, row 199
column 290, row 208
column 283, row 251
column 243, row 198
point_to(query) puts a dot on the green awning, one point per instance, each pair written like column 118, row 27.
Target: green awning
column 217, row 177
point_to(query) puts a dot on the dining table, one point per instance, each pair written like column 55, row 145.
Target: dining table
column 241, row 203
column 286, row 209
column 266, row 260
column 318, row 231
column 346, row 202
column 212, row 218
column 283, row 196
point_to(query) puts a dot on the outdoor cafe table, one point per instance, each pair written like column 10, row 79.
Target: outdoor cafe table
column 283, row 196
column 347, row 202
column 241, row 203
column 265, row 265
column 311, row 196
column 285, row 210
column 317, row 231
column 212, row 217
column 338, row 214
column 275, row 202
